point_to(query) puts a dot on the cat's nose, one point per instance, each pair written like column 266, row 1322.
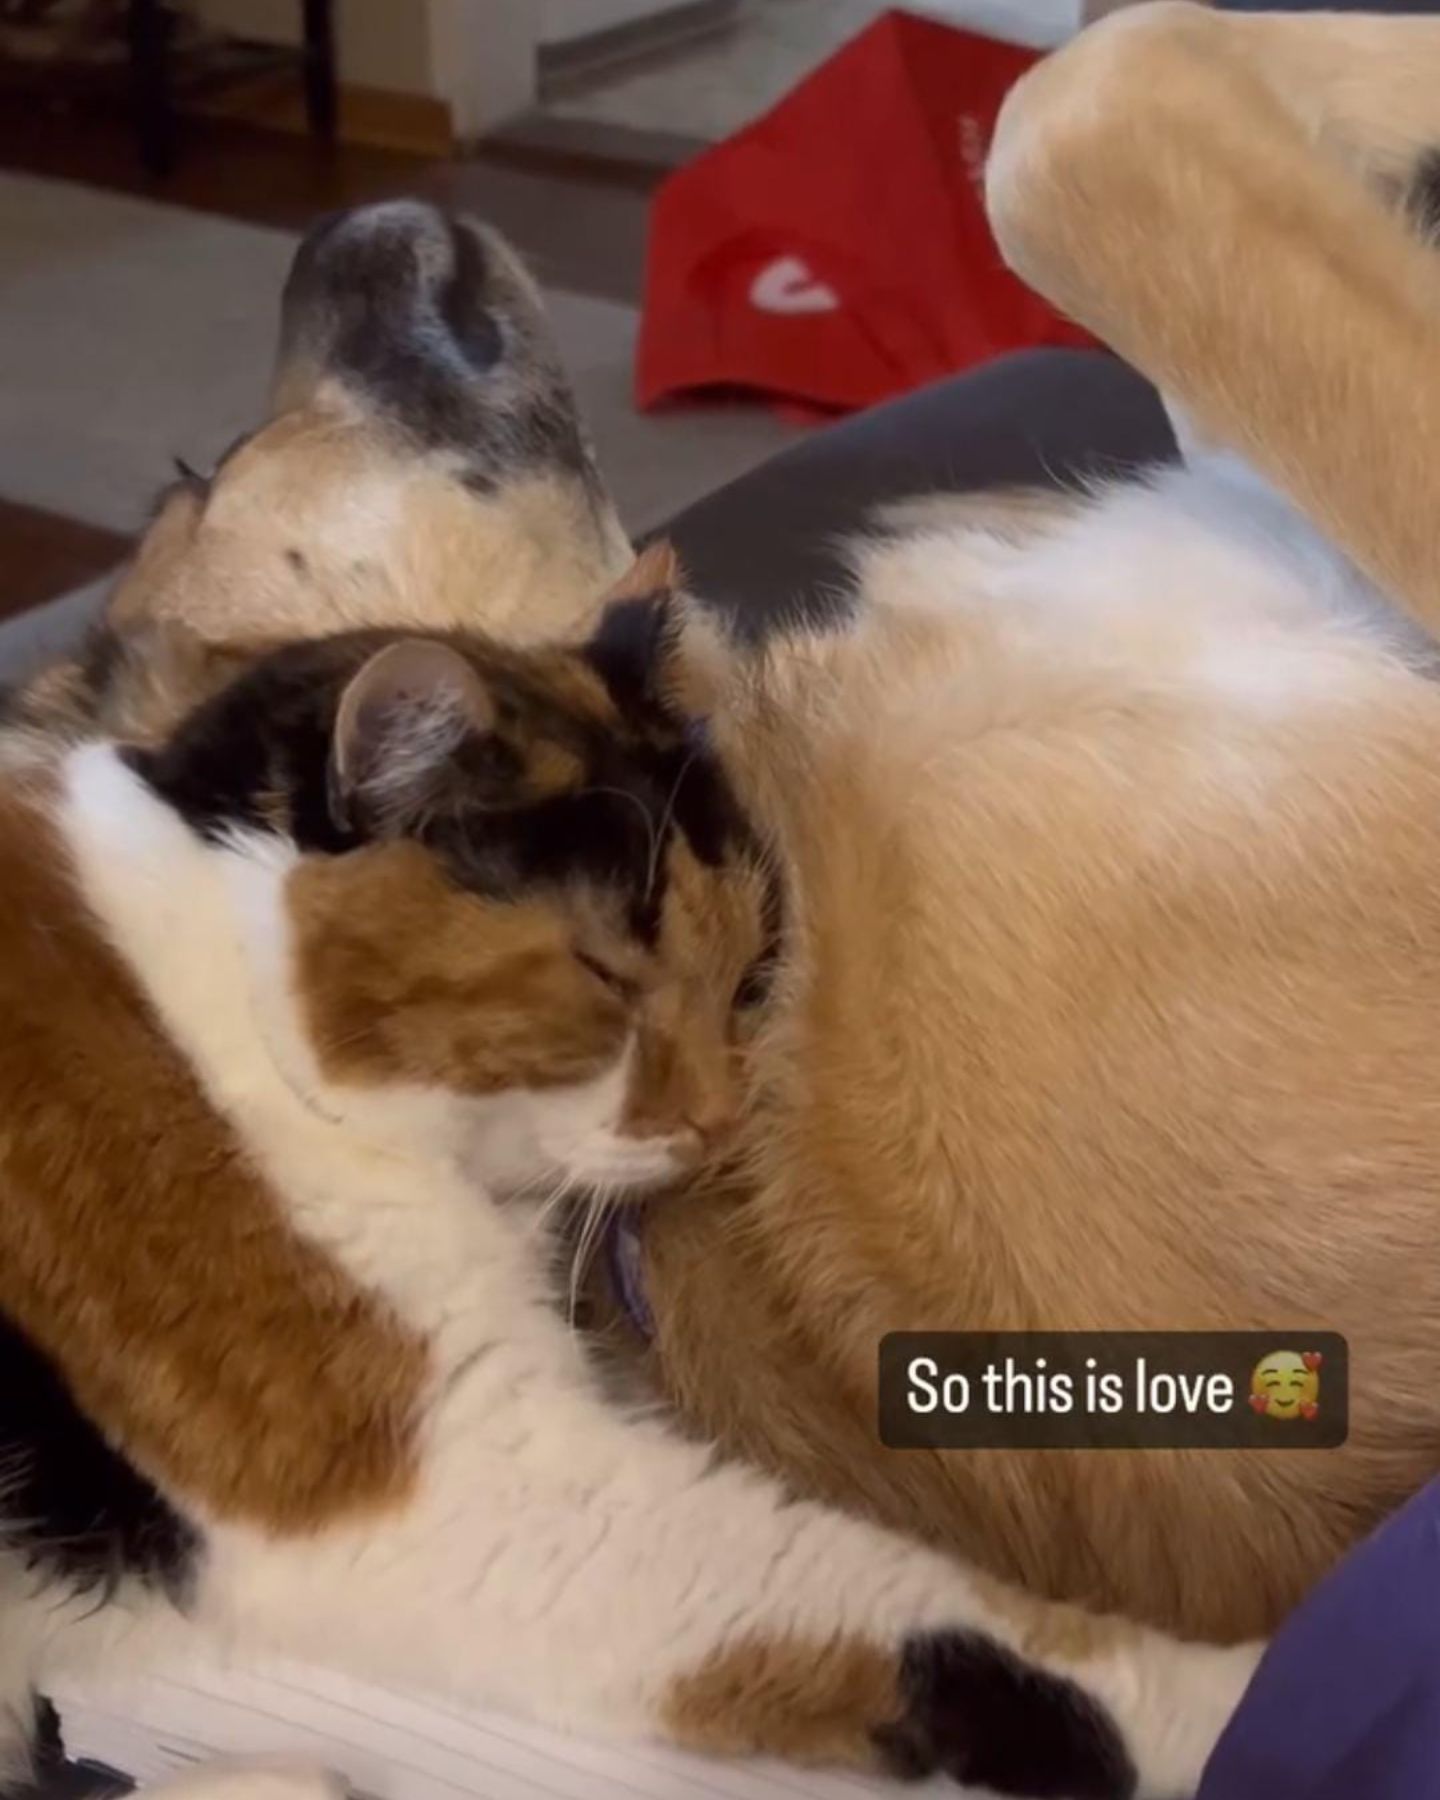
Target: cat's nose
column 428, row 321
column 710, row 1116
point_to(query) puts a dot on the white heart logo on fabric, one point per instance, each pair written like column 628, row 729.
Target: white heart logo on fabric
column 788, row 285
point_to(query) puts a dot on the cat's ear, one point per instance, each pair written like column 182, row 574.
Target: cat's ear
column 654, row 573
column 400, row 724
column 656, row 644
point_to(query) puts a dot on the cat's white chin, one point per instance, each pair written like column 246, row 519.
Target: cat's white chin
column 615, row 1164
column 572, row 1138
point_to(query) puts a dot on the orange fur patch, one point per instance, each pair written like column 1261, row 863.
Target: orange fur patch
column 810, row 1701
column 405, row 977
column 1034, row 1074
column 233, row 1361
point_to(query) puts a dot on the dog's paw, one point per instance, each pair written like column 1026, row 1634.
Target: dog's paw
column 977, row 1713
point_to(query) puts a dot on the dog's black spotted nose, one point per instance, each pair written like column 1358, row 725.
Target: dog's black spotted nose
column 397, row 274
column 977, row 1713
column 430, row 320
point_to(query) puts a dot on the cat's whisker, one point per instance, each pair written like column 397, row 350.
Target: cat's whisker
column 644, row 811
column 657, row 842
column 541, row 1178
column 580, row 1256
column 560, row 1192
column 598, row 1208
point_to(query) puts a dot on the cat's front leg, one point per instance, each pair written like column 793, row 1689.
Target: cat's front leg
column 600, row 1572
column 818, row 1637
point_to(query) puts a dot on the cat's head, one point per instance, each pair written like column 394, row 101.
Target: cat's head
column 523, row 880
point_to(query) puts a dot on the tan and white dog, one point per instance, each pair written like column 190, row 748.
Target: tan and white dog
column 338, row 941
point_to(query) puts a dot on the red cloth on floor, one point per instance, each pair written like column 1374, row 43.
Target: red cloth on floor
column 836, row 251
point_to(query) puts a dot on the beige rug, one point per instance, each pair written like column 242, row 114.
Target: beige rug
column 132, row 333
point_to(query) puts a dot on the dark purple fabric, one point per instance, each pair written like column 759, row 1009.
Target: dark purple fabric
column 1346, row 1704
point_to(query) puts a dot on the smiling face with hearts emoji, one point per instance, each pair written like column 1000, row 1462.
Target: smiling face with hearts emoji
column 1286, row 1384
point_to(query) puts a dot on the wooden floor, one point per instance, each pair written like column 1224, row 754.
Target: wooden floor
column 581, row 226
column 42, row 554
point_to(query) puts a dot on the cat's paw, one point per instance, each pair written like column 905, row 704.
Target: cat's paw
column 979, row 1714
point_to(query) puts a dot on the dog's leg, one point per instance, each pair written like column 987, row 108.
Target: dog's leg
column 1207, row 192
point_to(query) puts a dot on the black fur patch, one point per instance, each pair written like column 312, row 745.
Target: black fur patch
column 982, row 1716
column 1422, row 200
column 257, row 755
column 627, row 651
column 625, row 648
column 76, row 1510
column 102, row 661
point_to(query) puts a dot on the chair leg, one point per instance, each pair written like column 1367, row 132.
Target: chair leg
column 148, row 29
column 320, row 81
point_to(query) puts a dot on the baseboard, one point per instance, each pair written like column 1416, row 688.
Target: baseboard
column 592, row 148
column 574, row 61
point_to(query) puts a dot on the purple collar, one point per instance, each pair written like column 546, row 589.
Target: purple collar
column 625, row 1254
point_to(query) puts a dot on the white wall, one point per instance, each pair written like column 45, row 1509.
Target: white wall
column 483, row 59
column 478, row 55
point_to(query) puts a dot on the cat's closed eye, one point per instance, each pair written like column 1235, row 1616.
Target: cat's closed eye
column 617, row 983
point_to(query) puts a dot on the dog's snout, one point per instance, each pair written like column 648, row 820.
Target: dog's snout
column 393, row 241
column 396, row 279
column 429, row 321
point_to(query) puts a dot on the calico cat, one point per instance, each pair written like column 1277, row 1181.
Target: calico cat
column 310, row 1008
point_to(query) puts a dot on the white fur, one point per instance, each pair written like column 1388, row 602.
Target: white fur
column 1194, row 614
column 1158, row 576
column 559, row 1558
column 251, row 1778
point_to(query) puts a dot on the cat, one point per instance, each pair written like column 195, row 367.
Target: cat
column 313, row 1007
